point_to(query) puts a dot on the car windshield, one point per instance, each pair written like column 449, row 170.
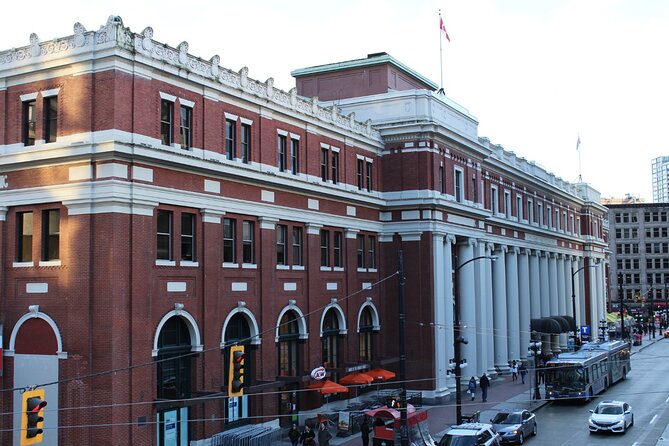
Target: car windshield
column 565, row 376
column 609, row 410
column 469, row 440
column 506, row 418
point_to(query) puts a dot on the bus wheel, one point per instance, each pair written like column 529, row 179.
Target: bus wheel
column 624, row 373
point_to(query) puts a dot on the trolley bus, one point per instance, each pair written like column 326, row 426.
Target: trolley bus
column 587, row 372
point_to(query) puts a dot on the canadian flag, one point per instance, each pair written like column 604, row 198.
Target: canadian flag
column 443, row 28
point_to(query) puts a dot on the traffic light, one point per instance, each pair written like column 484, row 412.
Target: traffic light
column 236, row 376
column 32, row 417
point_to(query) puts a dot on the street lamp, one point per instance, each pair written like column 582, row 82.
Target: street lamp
column 573, row 297
column 535, row 348
column 622, row 312
column 458, row 339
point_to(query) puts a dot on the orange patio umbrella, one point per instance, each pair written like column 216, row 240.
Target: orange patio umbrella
column 327, row 387
column 380, row 374
column 356, row 378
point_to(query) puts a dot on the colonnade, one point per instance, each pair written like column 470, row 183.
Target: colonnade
column 499, row 293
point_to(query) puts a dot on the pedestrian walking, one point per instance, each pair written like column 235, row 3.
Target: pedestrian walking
column 294, row 435
column 484, row 382
column 307, row 435
column 324, row 435
column 471, row 387
column 523, row 371
column 364, row 431
column 514, row 371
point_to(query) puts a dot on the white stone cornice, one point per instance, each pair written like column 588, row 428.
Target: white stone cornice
column 268, row 222
column 3, row 213
column 410, row 236
column 211, row 215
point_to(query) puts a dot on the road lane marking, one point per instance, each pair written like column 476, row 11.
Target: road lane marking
column 653, row 420
column 667, row 400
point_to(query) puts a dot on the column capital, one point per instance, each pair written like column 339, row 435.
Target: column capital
column 502, row 248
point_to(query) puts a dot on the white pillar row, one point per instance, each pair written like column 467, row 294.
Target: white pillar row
column 490, row 351
column 482, row 309
column 499, row 308
column 443, row 309
column 562, row 300
column 552, row 284
column 524, row 300
column 513, row 306
column 467, row 304
column 535, row 284
column 543, row 281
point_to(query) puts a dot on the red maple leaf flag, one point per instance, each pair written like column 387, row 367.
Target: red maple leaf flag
column 443, row 28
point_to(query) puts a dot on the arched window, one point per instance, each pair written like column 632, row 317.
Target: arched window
column 289, row 334
column 174, row 360
column 330, row 340
column 237, row 329
column 365, row 334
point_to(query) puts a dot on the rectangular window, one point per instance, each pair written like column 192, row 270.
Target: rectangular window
column 50, row 118
column 29, row 123
column 441, row 179
column 281, row 142
column 368, row 176
column 530, row 211
column 325, row 248
column 230, row 138
column 324, row 163
column 164, row 236
column 557, row 219
column 166, row 122
column 248, row 242
column 335, row 167
column 24, row 243
column 246, row 143
column 360, row 242
column 297, row 246
column 229, row 240
column 371, row 253
column 294, row 156
column 459, row 185
column 281, row 231
column 494, row 204
column 338, row 250
column 519, row 207
column 185, row 130
column 188, row 237
column 507, row 204
column 540, row 212
column 549, row 215
column 51, row 235
column 359, row 173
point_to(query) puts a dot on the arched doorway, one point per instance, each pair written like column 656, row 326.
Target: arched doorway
column 289, row 366
column 174, row 381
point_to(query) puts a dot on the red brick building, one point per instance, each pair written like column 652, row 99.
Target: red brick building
column 156, row 208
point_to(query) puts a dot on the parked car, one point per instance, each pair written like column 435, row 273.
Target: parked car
column 611, row 416
column 471, row 434
column 516, row 426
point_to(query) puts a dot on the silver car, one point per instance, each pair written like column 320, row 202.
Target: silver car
column 515, row 427
column 611, row 416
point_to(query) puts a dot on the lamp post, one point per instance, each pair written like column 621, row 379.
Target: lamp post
column 404, row 432
column 535, row 348
column 458, row 339
column 573, row 296
column 622, row 311
column 666, row 309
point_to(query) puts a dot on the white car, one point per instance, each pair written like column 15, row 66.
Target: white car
column 611, row 416
column 471, row 434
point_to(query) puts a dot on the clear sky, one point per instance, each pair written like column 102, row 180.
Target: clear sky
column 535, row 73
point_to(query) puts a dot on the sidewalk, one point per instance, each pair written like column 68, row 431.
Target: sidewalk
column 503, row 394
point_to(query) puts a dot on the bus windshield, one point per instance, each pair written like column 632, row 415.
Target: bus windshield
column 565, row 375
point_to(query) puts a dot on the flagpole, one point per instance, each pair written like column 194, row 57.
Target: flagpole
column 441, row 61
column 578, row 144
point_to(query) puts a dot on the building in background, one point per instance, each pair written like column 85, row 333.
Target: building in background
column 157, row 209
column 639, row 246
column 660, row 174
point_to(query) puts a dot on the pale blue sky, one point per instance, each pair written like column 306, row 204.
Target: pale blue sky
column 534, row 73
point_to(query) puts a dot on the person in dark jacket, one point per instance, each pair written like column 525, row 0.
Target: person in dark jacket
column 324, row 435
column 307, row 434
column 484, row 383
column 294, row 435
column 364, row 431
column 471, row 387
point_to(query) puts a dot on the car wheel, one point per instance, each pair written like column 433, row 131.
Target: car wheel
column 534, row 430
column 521, row 438
column 624, row 429
column 632, row 422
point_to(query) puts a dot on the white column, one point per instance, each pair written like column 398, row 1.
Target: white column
column 524, row 300
column 577, row 293
column 467, row 304
column 490, row 356
column 443, row 309
column 499, row 308
column 561, row 298
column 580, row 292
column 544, row 284
column 535, row 285
column 552, row 284
column 592, row 285
column 599, row 295
column 512, row 305
column 482, row 310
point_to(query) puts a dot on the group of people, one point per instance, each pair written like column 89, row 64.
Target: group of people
column 484, row 383
column 308, row 437
column 516, row 369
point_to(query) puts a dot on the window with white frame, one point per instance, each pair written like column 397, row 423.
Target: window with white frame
column 507, row 204
column 530, row 211
column 519, row 207
column 549, row 214
column 459, row 184
column 494, row 197
column 540, row 213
